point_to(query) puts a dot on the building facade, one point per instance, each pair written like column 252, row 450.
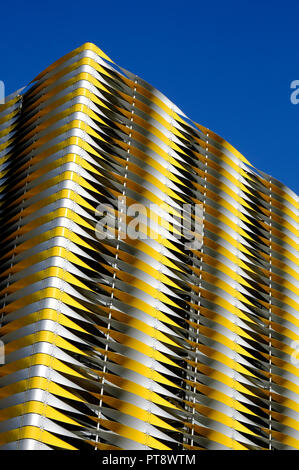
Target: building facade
column 182, row 337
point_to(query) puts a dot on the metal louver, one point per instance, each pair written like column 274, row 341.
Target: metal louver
column 119, row 343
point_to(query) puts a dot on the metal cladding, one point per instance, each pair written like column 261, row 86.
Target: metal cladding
column 121, row 343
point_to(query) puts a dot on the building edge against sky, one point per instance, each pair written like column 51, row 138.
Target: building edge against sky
column 118, row 343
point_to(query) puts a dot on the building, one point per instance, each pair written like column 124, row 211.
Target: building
column 176, row 339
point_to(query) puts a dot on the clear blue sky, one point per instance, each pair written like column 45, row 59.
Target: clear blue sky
column 227, row 64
